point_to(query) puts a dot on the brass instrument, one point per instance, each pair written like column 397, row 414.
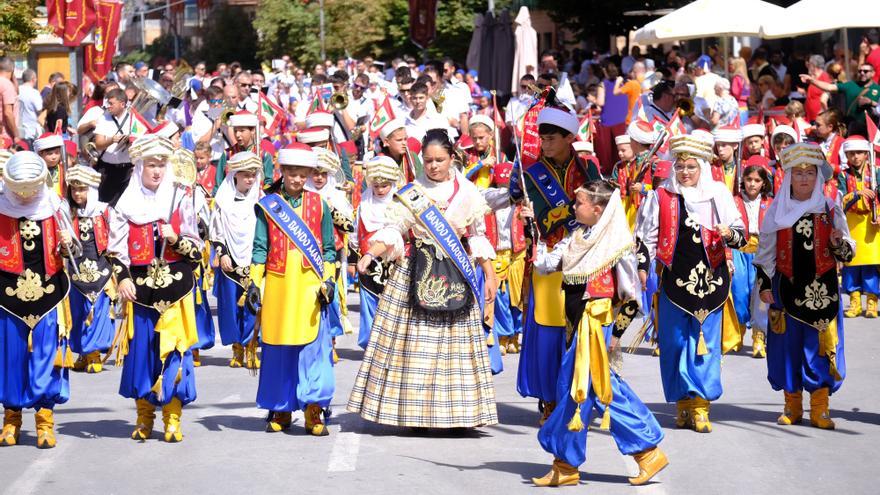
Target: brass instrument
column 227, row 112
column 438, row 102
column 339, row 101
column 149, row 93
column 685, row 107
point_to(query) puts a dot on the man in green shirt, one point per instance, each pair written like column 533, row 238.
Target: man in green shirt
column 859, row 95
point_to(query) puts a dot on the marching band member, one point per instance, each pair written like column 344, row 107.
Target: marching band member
column 48, row 146
column 244, row 129
column 428, row 324
column 153, row 243
column 232, row 236
column 752, row 202
column 753, row 140
column 93, row 292
column 32, row 330
column 382, row 176
column 550, row 185
column 294, row 252
column 803, row 238
column 395, row 145
column 860, row 275
column 687, row 226
column 601, row 283
column 727, row 142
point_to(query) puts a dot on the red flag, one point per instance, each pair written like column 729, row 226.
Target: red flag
column 59, row 127
column 79, row 18
column 98, row 59
column 55, row 13
column 585, row 130
column 270, row 113
column 383, row 115
column 422, row 22
column 531, row 141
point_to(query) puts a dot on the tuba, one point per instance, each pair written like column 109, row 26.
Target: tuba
column 149, row 93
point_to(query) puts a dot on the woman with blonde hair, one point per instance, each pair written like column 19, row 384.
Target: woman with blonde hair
column 740, row 88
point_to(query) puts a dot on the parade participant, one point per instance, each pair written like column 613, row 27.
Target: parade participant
column 687, row 226
column 152, row 244
column 244, row 128
column 506, row 231
column 112, row 143
column 232, row 236
column 93, row 291
column 294, row 252
column 860, row 275
column 753, row 140
column 48, row 146
column 601, row 284
column 481, row 157
column 395, row 144
column 382, row 176
column 727, row 142
column 752, row 202
column 626, row 173
column 586, row 152
column 782, row 137
column 550, row 185
column 324, row 179
column 33, row 331
column 829, row 132
column 206, row 170
column 803, row 237
column 428, row 324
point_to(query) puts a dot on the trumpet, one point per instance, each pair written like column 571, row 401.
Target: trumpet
column 339, row 101
column 685, row 107
column 438, row 102
column 224, row 117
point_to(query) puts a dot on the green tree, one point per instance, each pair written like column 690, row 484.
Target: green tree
column 288, row 28
column 17, row 25
column 229, row 36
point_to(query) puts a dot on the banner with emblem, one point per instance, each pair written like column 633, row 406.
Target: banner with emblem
column 98, row 57
column 531, row 141
column 138, row 124
column 79, row 18
column 270, row 113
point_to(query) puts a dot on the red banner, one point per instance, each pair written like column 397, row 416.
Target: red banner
column 79, row 18
column 531, row 141
column 422, row 22
column 99, row 57
column 55, row 16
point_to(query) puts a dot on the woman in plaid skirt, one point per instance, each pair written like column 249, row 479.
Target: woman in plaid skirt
column 426, row 363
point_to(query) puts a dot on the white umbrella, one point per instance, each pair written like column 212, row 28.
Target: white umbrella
column 526, row 40
column 813, row 16
column 707, row 19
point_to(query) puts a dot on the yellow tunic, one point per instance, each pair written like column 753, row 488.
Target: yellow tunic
column 858, row 217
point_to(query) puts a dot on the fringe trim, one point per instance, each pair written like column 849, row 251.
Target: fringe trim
column 583, row 278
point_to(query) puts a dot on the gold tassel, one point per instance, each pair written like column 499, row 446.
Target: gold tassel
column 702, row 350
column 241, row 299
column 157, row 388
column 198, row 296
column 576, row 423
column 606, row 418
column 91, row 316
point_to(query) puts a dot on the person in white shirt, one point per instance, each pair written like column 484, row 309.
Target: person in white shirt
column 418, row 117
column 206, row 122
column 111, row 141
column 30, row 105
column 246, row 101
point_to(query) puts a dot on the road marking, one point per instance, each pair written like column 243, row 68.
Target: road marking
column 36, row 472
column 343, row 457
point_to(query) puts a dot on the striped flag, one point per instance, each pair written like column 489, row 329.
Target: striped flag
column 270, row 113
column 585, row 131
column 383, row 115
column 138, row 124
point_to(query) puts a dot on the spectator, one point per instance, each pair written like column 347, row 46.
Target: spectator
column 795, row 112
column 859, row 95
column 726, row 109
column 740, row 88
column 141, row 69
column 123, row 74
column 632, row 88
column 54, row 78
column 8, row 97
column 57, row 107
column 817, row 100
column 766, row 86
column 869, row 52
column 30, row 106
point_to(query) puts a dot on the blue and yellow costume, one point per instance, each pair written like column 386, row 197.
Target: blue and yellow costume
column 297, row 367
column 861, row 275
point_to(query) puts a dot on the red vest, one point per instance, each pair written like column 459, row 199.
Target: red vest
column 142, row 245
column 101, row 231
column 762, row 210
column 823, row 224
column 312, row 213
column 668, row 232
column 208, row 178
column 11, row 254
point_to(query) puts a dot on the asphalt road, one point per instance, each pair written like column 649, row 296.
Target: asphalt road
column 225, row 449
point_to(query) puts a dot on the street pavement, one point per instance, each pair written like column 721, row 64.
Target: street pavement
column 225, row 449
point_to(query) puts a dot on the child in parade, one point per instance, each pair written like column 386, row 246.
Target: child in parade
column 803, row 238
column 232, row 237
column 153, row 244
column 33, row 330
column 752, row 202
column 429, row 324
column 753, row 143
column 861, row 275
column 294, row 254
column 687, row 225
column 49, row 147
column 602, row 287
column 244, row 130
column 93, row 291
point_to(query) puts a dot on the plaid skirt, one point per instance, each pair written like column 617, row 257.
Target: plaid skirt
column 420, row 372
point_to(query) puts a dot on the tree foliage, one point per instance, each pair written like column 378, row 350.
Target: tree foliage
column 17, row 25
column 229, row 35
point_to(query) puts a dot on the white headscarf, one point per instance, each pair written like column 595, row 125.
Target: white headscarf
column 607, row 241
column 42, row 206
column 784, row 211
column 93, row 207
column 141, row 205
column 372, row 209
column 236, row 220
column 709, row 202
column 334, row 196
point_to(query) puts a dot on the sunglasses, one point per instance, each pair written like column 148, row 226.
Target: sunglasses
column 244, row 85
column 865, row 71
column 358, row 86
column 216, row 101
